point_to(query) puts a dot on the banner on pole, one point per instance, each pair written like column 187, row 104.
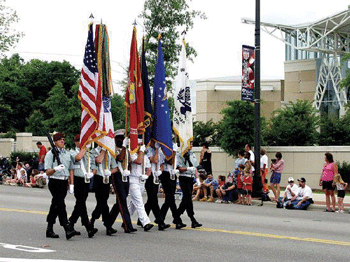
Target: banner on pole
column 248, row 59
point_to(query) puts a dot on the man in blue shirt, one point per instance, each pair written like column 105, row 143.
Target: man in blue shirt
column 210, row 184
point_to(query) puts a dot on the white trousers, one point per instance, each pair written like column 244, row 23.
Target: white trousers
column 136, row 202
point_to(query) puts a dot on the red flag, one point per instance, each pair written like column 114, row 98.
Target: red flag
column 134, row 96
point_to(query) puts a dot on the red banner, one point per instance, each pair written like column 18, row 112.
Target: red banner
column 134, row 96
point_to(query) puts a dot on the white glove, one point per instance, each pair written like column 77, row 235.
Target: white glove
column 175, row 147
column 45, row 176
column 133, row 157
column 157, row 145
column 175, row 171
column 197, row 181
column 144, row 177
column 142, row 148
column 125, row 142
column 71, row 189
column 191, row 169
column 59, row 168
column 89, row 175
column 106, row 172
column 126, row 173
column 158, row 173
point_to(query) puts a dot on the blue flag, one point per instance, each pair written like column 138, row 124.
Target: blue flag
column 161, row 125
column 147, row 97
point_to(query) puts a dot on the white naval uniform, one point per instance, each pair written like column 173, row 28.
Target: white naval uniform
column 136, row 189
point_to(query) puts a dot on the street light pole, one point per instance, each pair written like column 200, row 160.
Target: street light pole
column 257, row 179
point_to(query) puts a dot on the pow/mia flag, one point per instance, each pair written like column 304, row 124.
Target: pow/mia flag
column 182, row 119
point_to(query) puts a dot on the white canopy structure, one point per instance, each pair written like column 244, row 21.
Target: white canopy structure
column 327, row 39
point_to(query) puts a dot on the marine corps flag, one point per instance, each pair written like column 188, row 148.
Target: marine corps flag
column 182, row 119
column 105, row 128
column 134, row 96
column 147, row 97
column 161, row 125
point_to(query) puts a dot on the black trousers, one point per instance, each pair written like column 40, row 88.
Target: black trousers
column 169, row 187
column 58, row 189
column 152, row 199
column 121, row 205
column 81, row 192
column 186, row 184
column 102, row 195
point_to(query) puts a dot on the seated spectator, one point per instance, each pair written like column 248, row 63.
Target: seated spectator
column 290, row 192
column 10, row 178
column 228, row 190
column 210, row 184
column 197, row 188
column 303, row 199
column 221, row 181
column 239, row 181
column 21, row 178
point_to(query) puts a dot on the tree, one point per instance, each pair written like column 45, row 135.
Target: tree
column 24, row 87
column 118, row 111
column 66, row 112
column 8, row 35
column 335, row 131
column 168, row 18
column 205, row 132
column 294, row 125
column 15, row 98
column 237, row 126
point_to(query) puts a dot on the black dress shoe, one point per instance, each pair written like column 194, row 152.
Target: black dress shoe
column 139, row 223
column 70, row 232
column 91, row 231
column 51, row 234
column 130, row 230
column 180, row 225
column 195, row 224
column 147, row 227
column 77, row 233
column 163, row 226
column 110, row 231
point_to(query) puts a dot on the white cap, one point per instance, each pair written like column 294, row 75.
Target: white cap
column 139, row 140
column 290, row 179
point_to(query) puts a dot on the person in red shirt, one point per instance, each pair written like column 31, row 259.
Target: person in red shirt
column 239, row 179
column 42, row 154
column 248, row 187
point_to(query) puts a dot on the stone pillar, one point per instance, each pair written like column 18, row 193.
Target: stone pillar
column 24, row 142
column 6, row 146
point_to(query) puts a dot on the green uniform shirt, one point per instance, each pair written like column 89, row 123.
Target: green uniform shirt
column 81, row 166
column 66, row 160
column 108, row 163
column 182, row 163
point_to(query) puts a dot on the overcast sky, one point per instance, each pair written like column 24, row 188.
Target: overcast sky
column 57, row 30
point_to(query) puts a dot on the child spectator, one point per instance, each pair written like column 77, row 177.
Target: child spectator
column 239, row 180
column 221, row 181
column 248, row 186
column 341, row 186
column 21, row 178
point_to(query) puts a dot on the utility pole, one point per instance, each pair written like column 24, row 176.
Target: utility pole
column 257, row 178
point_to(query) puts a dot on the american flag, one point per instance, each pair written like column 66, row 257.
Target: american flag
column 90, row 93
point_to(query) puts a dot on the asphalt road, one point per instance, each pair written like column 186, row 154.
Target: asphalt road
column 229, row 233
